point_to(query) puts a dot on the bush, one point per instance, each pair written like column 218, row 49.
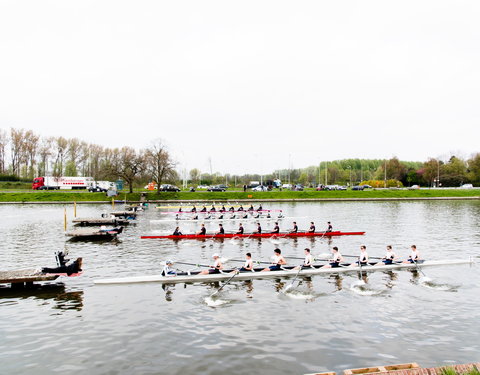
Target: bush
column 9, row 177
column 381, row 183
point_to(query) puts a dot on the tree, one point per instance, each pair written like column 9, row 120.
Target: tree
column 127, row 164
column 61, row 148
column 474, row 168
column 454, row 173
column 160, row 165
column 3, row 146
column 16, row 149
column 195, row 174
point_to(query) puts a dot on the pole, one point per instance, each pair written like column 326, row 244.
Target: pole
column 74, row 209
column 113, row 203
column 65, row 219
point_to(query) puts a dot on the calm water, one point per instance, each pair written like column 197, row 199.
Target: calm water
column 327, row 323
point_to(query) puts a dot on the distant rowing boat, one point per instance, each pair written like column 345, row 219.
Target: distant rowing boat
column 191, row 277
column 257, row 235
column 225, row 219
column 219, row 212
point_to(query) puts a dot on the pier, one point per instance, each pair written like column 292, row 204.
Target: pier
column 26, row 277
column 93, row 221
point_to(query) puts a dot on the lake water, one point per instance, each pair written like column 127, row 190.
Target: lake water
column 327, row 323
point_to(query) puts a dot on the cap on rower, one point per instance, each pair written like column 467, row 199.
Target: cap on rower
column 215, row 255
column 168, row 262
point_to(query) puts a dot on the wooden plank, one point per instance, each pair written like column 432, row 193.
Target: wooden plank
column 24, row 276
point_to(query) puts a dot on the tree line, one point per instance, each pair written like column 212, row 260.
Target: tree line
column 25, row 155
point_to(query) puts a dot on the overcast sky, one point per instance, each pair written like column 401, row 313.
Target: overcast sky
column 249, row 84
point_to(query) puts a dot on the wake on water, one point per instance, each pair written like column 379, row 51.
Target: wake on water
column 361, row 288
column 430, row 284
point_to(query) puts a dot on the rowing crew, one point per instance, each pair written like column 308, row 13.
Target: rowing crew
column 275, row 230
column 244, row 215
column 223, row 209
column 278, row 261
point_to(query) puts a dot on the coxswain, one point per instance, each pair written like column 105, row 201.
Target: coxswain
column 223, row 209
column 177, row 232
column 362, row 258
column 259, row 228
column 248, row 265
column 203, row 231
column 312, row 227
column 276, row 228
column 220, row 229
column 308, row 261
column 250, row 208
column 216, row 267
column 240, row 208
column 329, row 227
column 213, row 209
column 414, row 256
column 240, row 229
column 389, row 257
column 204, row 209
column 335, row 260
column 168, row 270
column 295, row 228
column 277, row 262
column 194, row 209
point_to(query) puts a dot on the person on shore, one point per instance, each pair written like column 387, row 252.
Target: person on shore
column 308, row 261
column 247, row 266
column 216, row 267
column 220, row 229
column 168, row 270
column 362, row 259
column 414, row 256
column 177, row 232
column 329, row 227
column 276, row 228
column 240, row 229
column 312, row 227
column 389, row 257
column 295, row 228
column 335, row 260
column 277, row 262
column 202, row 231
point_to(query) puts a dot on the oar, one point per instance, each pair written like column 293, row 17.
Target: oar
column 289, row 286
column 418, row 268
column 356, row 256
column 230, row 279
column 194, row 264
column 243, row 260
column 314, row 258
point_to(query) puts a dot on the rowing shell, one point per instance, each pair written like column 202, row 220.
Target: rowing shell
column 225, row 219
column 257, row 235
column 195, row 277
column 219, row 212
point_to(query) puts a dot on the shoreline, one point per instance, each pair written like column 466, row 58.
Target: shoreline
column 271, row 200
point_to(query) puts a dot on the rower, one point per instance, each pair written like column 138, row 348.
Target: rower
column 250, row 208
column 414, row 256
column 245, row 216
column 308, row 261
column 220, row 229
column 177, row 232
column 180, row 209
column 194, row 209
column 259, row 228
column 257, row 216
column 203, row 231
column 195, row 217
column 276, row 228
column 213, row 209
column 223, row 209
column 388, row 258
column 220, row 217
column 259, row 208
column 362, row 259
column 295, row 228
column 177, row 217
column 277, row 262
column 312, row 227
column 204, row 209
column 268, row 215
column 248, row 265
column 240, row 208
column 329, row 227
column 335, row 260
column 240, row 229
column 215, row 268
column 231, row 209
column 168, row 270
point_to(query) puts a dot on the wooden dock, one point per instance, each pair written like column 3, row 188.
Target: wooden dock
column 26, row 277
column 405, row 369
column 125, row 214
column 93, row 233
column 93, row 221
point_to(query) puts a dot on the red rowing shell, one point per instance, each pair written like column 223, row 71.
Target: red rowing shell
column 259, row 235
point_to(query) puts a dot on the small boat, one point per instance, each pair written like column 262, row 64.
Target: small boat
column 191, row 277
column 87, row 233
column 223, row 219
column 257, row 235
column 219, row 212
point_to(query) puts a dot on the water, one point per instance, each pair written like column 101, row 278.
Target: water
column 324, row 323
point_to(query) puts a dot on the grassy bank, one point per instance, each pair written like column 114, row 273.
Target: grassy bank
column 67, row 196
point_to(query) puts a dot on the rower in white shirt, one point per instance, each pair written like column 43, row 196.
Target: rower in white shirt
column 362, row 259
column 168, row 270
column 247, row 266
column 308, row 261
column 335, row 260
column 414, row 256
column 388, row 258
column 277, row 262
column 217, row 266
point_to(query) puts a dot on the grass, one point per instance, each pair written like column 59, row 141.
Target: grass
column 79, row 196
column 452, row 371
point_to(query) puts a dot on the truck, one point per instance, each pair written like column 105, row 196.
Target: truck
column 102, row 186
column 67, row 183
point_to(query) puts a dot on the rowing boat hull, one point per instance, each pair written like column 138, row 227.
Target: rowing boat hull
column 257, row 235
column 272, row 274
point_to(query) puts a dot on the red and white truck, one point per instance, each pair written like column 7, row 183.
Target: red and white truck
column 55, row 183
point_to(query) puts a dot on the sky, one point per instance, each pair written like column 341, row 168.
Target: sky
column 251, row 86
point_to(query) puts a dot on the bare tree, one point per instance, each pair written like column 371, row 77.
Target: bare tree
column 16, row 149
column 30, row 150
column 127, row 164
column 61, row 148
column 160, row 165
column 3, row 146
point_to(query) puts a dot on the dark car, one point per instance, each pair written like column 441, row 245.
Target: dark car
column 298, row 187
column 358, row 187
column 169, row 188
column 217, row 188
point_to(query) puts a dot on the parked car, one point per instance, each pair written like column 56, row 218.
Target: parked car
column 341, row 188
column 298, row 187
column 287, row 186
column 203, row 187
column 358, row 187
column 260, row 188
column 414, row 187
column 320, row 187
column 331, row 187
column 216, row 188
column 466, row 186
column 169, row 188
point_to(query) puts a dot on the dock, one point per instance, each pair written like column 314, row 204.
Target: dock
column 92, row 221
column 124, row 214
column 26, row 277
column 93, row 233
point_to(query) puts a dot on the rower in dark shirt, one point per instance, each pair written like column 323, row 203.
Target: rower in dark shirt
column 220, row 229
column 213, row 209
column 231, row 209
column 329, row 227
column 259, row 228
column 223, row 209
column 203, row 231
column 194, row 209
column 204, row 209
column 177, row 232
column 250, row 208
column 295, row 228
column 240, row 208
column 240, row 229
column 259, row 208
column 312, row 227
column 276, row 228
